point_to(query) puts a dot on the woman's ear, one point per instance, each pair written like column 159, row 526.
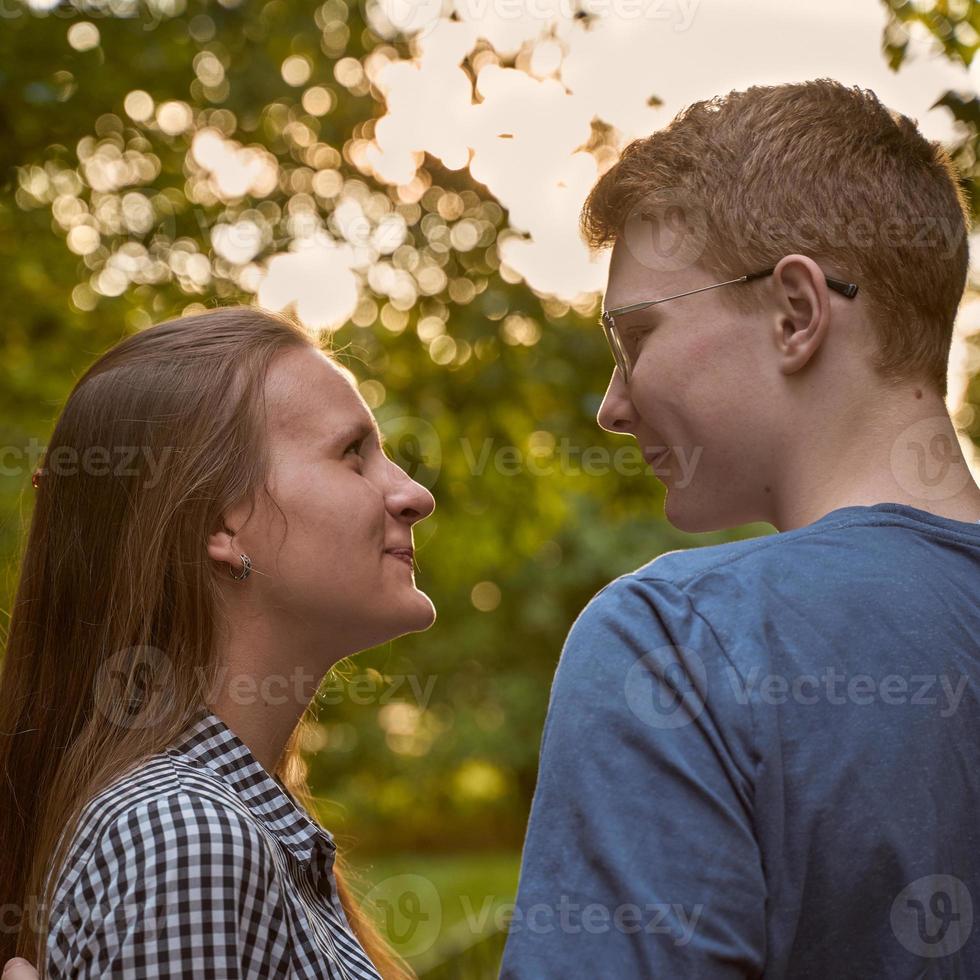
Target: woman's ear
column 221, row 545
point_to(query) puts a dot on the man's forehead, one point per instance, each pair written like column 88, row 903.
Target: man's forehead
column 631, row 280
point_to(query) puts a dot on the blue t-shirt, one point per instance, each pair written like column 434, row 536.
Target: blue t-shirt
column 762, row 759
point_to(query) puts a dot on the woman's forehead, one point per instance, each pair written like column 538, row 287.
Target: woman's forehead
column 309, row 394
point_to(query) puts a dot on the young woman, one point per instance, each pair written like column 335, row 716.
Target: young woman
column 216, row 525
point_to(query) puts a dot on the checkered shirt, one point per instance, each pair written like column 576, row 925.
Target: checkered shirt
column 200, row 864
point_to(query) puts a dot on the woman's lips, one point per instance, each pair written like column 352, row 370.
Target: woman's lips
column 654, row 459
column 403, row 554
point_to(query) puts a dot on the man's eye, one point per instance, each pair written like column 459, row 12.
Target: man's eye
column 356, row 446
column 634, row 335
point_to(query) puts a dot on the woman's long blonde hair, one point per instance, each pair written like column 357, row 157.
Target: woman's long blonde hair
column 157, row 439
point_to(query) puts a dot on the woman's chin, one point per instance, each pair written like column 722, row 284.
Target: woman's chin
column 426, row 614
column 414, row 616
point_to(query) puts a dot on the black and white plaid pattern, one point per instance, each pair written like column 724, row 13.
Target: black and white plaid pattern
column 200, row 864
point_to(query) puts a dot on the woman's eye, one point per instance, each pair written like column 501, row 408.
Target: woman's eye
column 356, row 446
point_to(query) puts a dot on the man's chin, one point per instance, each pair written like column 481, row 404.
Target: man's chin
column 686, row 515
column 692, row 515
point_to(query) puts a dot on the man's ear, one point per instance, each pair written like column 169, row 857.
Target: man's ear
column 801, row 317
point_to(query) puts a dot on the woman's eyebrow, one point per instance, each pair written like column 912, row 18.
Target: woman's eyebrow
column 354, row 430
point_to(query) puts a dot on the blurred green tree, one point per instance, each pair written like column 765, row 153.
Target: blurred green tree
column 159, row 156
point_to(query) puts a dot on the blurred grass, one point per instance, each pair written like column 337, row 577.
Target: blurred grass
column 444, row 913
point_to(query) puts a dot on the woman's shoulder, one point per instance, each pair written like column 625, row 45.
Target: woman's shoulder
column 167, row 867
column 167, row 775
column 162, row 810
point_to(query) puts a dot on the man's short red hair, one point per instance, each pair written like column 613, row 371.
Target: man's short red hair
column 816, row 168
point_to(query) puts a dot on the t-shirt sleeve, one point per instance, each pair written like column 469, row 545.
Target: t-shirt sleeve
column 640, row 858
column 179, row 886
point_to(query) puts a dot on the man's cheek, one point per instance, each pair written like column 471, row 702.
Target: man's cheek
column 698, row 346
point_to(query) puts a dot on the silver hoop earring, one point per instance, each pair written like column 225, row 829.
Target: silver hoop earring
column 246, row 569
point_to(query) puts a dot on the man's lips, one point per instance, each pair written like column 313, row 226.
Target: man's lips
column 406, row 555
column 656, row 455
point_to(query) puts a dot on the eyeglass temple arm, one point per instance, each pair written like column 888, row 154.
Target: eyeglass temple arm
column 636, row 307
column 848, row 289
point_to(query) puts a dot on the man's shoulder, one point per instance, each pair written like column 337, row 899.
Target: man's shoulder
column 723, row 594
column 682, row 574
column 782, row 551
column 683, row 567
column 744, row 604
column 826, row 550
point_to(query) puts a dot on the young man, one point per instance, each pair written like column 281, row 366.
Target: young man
column 762, row 758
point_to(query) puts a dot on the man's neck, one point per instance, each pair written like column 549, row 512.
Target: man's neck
column 907, row 452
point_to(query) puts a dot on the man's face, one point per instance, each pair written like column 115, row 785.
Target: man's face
column 698, row 388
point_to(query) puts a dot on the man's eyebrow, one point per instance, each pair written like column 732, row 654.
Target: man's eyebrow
column 633, row 302
column 651, row 315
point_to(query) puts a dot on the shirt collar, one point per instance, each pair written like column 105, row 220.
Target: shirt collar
column 208, row 741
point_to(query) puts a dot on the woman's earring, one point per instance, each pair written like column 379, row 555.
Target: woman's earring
column 246, row 568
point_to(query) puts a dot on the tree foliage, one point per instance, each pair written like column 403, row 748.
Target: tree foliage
column 112, row 217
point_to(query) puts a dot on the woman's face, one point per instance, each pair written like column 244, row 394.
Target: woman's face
column 329, row 569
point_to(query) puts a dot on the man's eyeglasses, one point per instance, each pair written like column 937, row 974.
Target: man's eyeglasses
column 608, row 318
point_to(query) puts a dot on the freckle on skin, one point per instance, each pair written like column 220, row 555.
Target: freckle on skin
column 918, row 392
column 767, row 489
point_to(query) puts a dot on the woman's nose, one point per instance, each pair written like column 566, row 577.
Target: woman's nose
column 408, row 500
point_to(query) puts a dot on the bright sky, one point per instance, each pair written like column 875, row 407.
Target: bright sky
column 520, row 132
column 677, row 50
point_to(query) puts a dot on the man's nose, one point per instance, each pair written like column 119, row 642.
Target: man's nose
column 616, row 411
